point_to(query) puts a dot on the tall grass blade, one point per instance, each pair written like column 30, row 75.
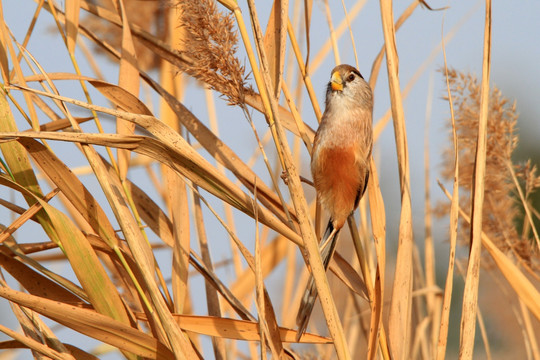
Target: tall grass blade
column 470, row 295
column 400, row 311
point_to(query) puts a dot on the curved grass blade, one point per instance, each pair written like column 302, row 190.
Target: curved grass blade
column 92, row 324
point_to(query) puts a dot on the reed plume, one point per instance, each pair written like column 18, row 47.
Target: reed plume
column 211, row 43
column 501, row 209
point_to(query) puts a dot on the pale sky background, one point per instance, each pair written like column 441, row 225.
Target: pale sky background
column 515, row 70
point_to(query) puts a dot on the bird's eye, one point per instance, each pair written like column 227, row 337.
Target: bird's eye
column 351, row 77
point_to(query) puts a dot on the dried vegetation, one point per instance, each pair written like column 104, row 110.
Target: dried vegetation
column 503, row 208
column 152, row 245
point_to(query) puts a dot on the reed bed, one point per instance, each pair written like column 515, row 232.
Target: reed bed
column 147, row 221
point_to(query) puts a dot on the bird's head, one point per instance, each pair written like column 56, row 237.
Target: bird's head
column 347, row 84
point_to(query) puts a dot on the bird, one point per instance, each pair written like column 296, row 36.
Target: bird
column 339, row 163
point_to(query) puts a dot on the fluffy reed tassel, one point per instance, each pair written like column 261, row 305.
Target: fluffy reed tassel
column 501, row 210
column 211, row 43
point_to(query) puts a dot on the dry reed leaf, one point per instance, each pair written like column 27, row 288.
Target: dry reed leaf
column 176, row 192
column 273, row 328
column 73, row 189
column 267, row 317
column 239, row 329
column 179, row 155
column 35, row 328
column 80, row 354
column 21, row 220
column 266, row 339
column 376, row 66
column 272, row 255
column 526, row 291
column 348, row 275
column 35, row 283
column 285, row 116
column 53, row 76
column 222, row 153
column 181, row 222
column 297, row 118
column 180, row 226
column 307, row 79
column 62, row 124
column 229, row 216
column 470, row 293
column 4, row 65
column 152, row 215
column 432, row 302
column 100, row 290
column 93, row 324
column 381, row 124
column 72, row 23
column 35, row 345
column 448, row 288
column 17, row 160
column 163, row 325
column 212, row 300
column 75, row 351
column 400, row 311
column 128, row 79
column 530, row 334
column 111, row 194
column 19, row 251
column 378, row 225
column 15, row 156
column 210, row 179
column 31, row 320
column 274, row 42
column 121, row 97
column 6, row 41
column 211, row 278
column 30, row 248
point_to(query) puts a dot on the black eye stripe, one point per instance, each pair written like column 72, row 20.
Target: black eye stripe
column 354, row 71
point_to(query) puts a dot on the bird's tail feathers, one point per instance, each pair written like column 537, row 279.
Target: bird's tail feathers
column 328, row 246
column 306, row 307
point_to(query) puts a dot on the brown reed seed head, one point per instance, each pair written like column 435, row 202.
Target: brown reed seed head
column 211, row 43
column 501, row 205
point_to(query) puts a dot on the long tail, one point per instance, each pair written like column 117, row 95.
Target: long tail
column 310, row 295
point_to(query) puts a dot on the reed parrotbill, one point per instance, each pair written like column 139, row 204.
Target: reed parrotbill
column 339, row 162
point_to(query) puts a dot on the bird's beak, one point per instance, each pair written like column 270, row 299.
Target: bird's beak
column 336, row 82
